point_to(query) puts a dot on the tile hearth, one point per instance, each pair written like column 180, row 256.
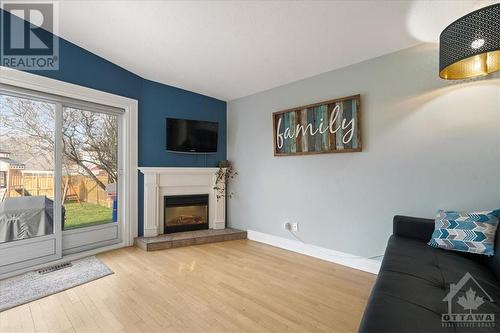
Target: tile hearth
column 178, row 239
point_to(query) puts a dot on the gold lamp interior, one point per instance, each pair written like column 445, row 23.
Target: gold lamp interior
column 477, row 65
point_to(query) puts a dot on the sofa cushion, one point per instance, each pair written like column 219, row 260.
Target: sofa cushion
column 412, row 283
column 466, row 232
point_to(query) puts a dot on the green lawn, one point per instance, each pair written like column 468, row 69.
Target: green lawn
column 85, row 214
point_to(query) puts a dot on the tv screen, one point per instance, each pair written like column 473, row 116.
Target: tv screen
column 191, row 136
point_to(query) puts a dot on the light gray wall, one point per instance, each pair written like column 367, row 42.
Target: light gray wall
column 427, row 144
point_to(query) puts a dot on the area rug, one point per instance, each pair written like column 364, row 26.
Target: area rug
column 30, row 286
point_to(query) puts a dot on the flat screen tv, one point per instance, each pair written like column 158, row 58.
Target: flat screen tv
column 191, row 136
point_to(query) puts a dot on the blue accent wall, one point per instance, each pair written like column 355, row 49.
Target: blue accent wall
column 156, row 102
column 159, row 101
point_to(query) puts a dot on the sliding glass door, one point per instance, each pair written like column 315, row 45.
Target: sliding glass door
column 60, row 163
column 30, row 206
column 90, row 178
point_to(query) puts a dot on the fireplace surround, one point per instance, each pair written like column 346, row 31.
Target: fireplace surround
column 160, row 182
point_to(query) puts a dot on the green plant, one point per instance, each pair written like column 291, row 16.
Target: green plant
column 224, row 175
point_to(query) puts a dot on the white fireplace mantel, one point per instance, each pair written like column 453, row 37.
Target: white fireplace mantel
column 160, row 182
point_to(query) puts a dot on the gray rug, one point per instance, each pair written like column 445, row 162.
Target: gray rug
column 30, row 286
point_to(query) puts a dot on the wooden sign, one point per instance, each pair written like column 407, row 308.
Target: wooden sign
column 327, row 127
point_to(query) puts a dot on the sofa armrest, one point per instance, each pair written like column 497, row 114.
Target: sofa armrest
column 413, row 227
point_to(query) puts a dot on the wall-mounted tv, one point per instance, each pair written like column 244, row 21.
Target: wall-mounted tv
column 191, row 136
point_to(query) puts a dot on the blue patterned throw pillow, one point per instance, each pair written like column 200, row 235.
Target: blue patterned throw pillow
column 466, row 232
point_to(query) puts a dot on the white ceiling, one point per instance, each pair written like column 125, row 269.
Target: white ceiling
column 230, row 49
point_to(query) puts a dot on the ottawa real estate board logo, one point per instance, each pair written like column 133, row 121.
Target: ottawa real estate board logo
column 467, row 302
column 27, row 38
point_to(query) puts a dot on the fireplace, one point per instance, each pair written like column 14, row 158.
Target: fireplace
column 185, row 213
column 161, row 182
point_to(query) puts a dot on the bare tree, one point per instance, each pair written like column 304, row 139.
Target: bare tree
column 89, row 139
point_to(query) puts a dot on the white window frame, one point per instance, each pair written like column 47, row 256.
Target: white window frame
column 90, row 237
column 129, row 142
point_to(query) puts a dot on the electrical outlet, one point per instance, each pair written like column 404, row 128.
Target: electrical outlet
column 287, row 225
column 295, row 227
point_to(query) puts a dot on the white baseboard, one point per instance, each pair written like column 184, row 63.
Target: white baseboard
column 345, row 259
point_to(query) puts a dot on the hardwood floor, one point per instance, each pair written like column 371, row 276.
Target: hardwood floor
column 234, row 286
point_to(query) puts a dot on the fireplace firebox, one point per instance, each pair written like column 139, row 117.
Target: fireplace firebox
column 185, row 213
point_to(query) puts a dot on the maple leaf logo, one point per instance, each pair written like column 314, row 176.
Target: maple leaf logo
column 470, row 301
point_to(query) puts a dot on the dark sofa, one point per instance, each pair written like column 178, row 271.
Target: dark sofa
column 415, row 278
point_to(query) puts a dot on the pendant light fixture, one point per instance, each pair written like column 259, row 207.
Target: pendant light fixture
column 470, row 46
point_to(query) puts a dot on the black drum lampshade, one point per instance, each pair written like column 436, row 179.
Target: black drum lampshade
column 470, row 46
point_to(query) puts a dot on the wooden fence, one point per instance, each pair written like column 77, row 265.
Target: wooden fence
column 75, row 188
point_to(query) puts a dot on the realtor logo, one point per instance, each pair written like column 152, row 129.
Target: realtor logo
column 464, row 305
column 26, row 41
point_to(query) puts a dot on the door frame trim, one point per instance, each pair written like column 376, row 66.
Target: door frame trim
column 43, row 84
column 64, row 259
